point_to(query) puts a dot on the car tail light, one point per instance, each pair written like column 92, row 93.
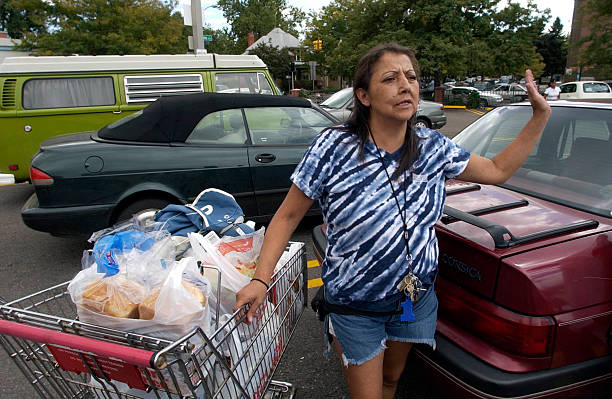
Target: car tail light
column 512, row 332
column 442, row 107
column 40, row 178
column 13, row 167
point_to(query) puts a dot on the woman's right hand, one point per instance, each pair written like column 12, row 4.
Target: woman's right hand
column 254, row 293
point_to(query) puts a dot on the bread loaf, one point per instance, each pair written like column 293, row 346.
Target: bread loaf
column 146, row 309
column 114, row 296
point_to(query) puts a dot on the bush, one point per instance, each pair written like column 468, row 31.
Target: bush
column 473, row 100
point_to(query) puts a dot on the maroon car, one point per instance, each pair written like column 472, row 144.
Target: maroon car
column 525, row 281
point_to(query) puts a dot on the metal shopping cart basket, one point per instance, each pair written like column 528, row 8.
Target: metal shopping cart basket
column 65, row 358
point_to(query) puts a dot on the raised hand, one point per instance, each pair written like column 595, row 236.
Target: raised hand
column 538, row 102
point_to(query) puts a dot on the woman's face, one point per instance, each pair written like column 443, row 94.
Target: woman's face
column 394, row 88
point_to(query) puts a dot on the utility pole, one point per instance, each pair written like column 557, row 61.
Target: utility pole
column 196, row 25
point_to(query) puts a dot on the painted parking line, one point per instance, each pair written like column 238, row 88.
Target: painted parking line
column 475, row 111
column 315, row 282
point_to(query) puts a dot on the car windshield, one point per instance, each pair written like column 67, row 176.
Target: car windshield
column 570, row 164
column 338, row 99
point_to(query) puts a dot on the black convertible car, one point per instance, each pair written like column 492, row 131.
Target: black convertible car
column 247, row 145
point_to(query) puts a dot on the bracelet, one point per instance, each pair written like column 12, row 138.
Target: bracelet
column 261, row 281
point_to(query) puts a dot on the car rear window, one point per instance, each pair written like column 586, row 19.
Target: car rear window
column 571, row 163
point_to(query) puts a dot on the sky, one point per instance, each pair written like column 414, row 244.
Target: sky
column 563, row 9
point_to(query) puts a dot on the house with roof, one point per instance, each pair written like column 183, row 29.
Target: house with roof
column 7, row 46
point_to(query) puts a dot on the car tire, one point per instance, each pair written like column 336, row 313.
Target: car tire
column 146, row 204
column 422, row 123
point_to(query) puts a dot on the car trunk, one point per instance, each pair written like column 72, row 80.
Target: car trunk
column 506, row 224
column 516, row 271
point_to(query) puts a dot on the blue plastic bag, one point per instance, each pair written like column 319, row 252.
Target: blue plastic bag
column 107, row 248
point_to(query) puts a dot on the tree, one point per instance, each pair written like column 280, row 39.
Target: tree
column 552, row 46
column 450, row 37
column 96, row 27
column 277, row 60
column 259, row 17
column 223, row 42
column 17, row 20
column 596, row 51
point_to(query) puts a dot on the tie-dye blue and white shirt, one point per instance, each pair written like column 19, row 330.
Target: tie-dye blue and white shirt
column 366, row 251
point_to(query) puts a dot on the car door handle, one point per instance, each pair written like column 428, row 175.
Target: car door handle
column 265, row 158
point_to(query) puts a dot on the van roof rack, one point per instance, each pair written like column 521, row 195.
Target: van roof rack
column 97, row 63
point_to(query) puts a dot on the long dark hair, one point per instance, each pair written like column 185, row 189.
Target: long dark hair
column 360, row 115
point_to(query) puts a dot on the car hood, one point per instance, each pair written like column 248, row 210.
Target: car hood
column 548, row 240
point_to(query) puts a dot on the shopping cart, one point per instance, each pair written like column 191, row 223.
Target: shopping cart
column 65, row 358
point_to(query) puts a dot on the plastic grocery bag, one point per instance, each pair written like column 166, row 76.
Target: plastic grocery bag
column 252, row 352
column 176, row 311
column 206, row 250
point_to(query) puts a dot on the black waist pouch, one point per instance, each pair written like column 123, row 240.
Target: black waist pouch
column 322, row 308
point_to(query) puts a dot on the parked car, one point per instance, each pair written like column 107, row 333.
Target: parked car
column 511, row 92
column 484, row 86
column 585, row 91
column 525, row 272
column 47, row 96
column 429, row 114
column 463, row 93
column 247, row 145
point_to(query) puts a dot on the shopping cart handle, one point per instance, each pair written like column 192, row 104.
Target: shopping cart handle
column 135, row 356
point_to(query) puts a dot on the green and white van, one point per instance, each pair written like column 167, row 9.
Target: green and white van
column 42, row 97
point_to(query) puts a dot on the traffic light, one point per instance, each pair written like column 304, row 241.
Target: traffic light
column 318, row 44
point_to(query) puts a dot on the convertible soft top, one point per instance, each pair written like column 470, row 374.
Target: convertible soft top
column 172, row 119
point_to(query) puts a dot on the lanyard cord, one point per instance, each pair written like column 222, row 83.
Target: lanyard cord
column 399, row 209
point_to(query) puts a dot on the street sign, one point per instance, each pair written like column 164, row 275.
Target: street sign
column 208, row 38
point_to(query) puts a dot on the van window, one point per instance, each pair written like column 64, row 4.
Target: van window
column 242, row 82
column 148, row 88
column 68, row 92
column 596, row 88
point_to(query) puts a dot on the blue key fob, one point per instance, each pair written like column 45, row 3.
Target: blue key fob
column 407, row 315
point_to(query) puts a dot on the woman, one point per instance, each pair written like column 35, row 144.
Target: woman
column 380, row 185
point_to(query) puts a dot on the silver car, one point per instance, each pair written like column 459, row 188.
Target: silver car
column 429, row 114
column 511, row 92
column 487, row 99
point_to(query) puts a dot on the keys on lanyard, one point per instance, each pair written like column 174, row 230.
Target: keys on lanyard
column 412, row 287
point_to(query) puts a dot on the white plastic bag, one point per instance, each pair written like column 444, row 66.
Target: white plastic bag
column 177, row 312
column 205, row 250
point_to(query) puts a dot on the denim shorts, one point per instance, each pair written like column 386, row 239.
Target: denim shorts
column 363, row 337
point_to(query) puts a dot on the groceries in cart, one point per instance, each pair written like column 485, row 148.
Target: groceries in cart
column 153, row 311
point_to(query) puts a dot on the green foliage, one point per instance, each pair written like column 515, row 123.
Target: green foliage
column 17, row 19
column 596, row 51
column 473, row 100
column 96, row 27
column 450, row 37
column 222, row 42
column 277, row 60
column 552, row 46
column 259, row 17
